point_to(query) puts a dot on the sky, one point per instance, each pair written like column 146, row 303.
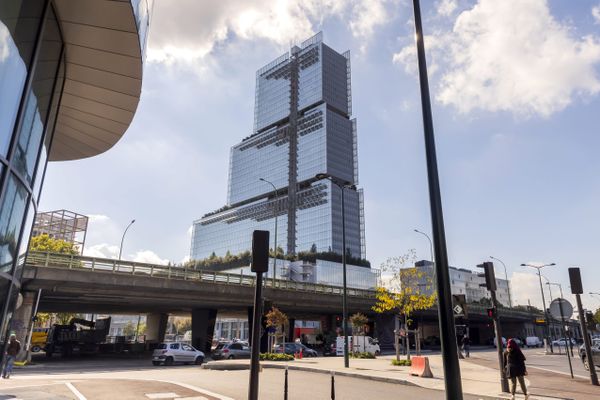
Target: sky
column 515, row 88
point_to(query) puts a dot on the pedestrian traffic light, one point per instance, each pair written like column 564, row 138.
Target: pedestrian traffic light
column 490, row 277
column 590, row 321
column 491, row 312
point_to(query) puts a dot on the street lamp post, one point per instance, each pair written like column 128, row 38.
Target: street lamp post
column 342, row 185
column 430, row 244
column 506, row 277
column 123, row 238
column 538, row 268
column 275, row 239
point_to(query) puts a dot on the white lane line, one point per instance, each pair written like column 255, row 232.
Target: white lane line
column 558, row 372
column 169, row 395
column 76, row 392
column 194, row 388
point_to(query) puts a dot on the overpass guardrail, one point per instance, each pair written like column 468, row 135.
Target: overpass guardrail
column 121, row 267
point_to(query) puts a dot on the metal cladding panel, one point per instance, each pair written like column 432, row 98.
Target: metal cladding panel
column 105, row 46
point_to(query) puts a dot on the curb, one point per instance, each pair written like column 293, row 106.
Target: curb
column 221, row 366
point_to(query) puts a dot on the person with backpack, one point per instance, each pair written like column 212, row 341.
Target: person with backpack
column 514, row 367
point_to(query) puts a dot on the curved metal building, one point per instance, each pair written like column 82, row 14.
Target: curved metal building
column 70, row 83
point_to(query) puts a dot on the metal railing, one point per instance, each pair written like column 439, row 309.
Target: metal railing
column 113, row 266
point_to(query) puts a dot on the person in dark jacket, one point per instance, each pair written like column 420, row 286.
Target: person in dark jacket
column 514, row 366
column 12, row 350
column 466, row 345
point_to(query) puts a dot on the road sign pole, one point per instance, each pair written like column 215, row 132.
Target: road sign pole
column 499, row 343
column 586, row 341
column 562, row 318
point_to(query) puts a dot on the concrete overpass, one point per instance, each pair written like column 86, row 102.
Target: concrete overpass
column 73, row 283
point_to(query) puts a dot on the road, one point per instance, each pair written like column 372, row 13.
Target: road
column 537, row 359
column 96, row 379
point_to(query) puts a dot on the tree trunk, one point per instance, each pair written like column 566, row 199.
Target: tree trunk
column 407, row 337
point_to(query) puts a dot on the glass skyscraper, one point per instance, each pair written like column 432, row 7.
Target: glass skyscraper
column 302, row 127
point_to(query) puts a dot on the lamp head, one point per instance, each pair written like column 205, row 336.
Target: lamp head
column 132, row 221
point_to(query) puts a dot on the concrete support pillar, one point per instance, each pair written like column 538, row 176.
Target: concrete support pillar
column 156, row 327
column 22, row 320
column 203, row 328
column 292, row 323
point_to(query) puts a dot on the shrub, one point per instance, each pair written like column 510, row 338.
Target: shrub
column 357, row 354
column 276, row 357
column 401, row 363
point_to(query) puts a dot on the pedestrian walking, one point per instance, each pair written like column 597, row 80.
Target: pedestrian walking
column 13, row 348
column 466, row 346
column 514, row 367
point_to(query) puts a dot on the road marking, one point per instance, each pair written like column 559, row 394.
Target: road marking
column 76, row 392
column 168, row 395
column 558, row 372
column 194, row 388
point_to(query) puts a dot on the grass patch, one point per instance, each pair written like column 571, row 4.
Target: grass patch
column 401, row 363
column 358, row 354
column 276, row 357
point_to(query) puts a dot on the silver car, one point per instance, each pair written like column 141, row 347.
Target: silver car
column 176, row 352
column 231, row 351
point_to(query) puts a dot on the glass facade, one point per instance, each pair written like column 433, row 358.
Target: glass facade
column 288, row 148
column 32, row 78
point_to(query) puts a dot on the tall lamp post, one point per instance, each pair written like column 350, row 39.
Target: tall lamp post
column 430, row 244
column 505, row 277
column 342, row 185
column 123, row 238
column 275, row 239
column 538, row 268
column 447, row 330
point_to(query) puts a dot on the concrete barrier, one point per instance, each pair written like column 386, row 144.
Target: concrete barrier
column 420, row 367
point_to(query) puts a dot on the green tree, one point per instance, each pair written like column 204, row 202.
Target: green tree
column 407, row 290
column 63, row 318
column 597, row 316
column 182, row 325
column 46, row 243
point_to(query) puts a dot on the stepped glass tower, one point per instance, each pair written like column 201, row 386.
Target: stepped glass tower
column 302, row 127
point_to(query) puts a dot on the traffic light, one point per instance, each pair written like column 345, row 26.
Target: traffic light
column 491, row 312
column 589, row 320
column 490, row 277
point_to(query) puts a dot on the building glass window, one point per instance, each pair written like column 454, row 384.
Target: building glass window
column 38, row 100
column 11, row 219
column 17, row 41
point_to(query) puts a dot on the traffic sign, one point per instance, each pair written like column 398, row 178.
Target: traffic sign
column 458, row 311
column 567, row 309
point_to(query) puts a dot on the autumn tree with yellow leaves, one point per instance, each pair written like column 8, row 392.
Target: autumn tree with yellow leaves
column 404, row 290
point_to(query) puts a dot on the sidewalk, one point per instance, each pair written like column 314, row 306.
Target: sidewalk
column 476, row 379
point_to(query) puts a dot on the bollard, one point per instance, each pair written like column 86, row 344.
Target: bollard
column 332, row 385
column 285, row 384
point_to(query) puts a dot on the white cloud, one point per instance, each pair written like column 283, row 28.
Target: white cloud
column 446, row 7
column 188, row 31
column 525, row 287
column 102, row 250
column 596, row 13
column 93, row 218
column 524, row 62
column 150, row 257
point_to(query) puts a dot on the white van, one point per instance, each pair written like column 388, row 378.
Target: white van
column 361, row 344
column 533, row 341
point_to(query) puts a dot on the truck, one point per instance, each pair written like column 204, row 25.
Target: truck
column 360, row 344
column 79, row 336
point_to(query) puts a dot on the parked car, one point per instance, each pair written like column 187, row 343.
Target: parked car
column 563, row 342
column 329, row 349
column 595, row 354
column 176, row 352
column 503, row 342
column 231, row 350
column 293, row 348
column 533, row 341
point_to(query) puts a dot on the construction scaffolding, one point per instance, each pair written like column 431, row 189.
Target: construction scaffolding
column 62, row 224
